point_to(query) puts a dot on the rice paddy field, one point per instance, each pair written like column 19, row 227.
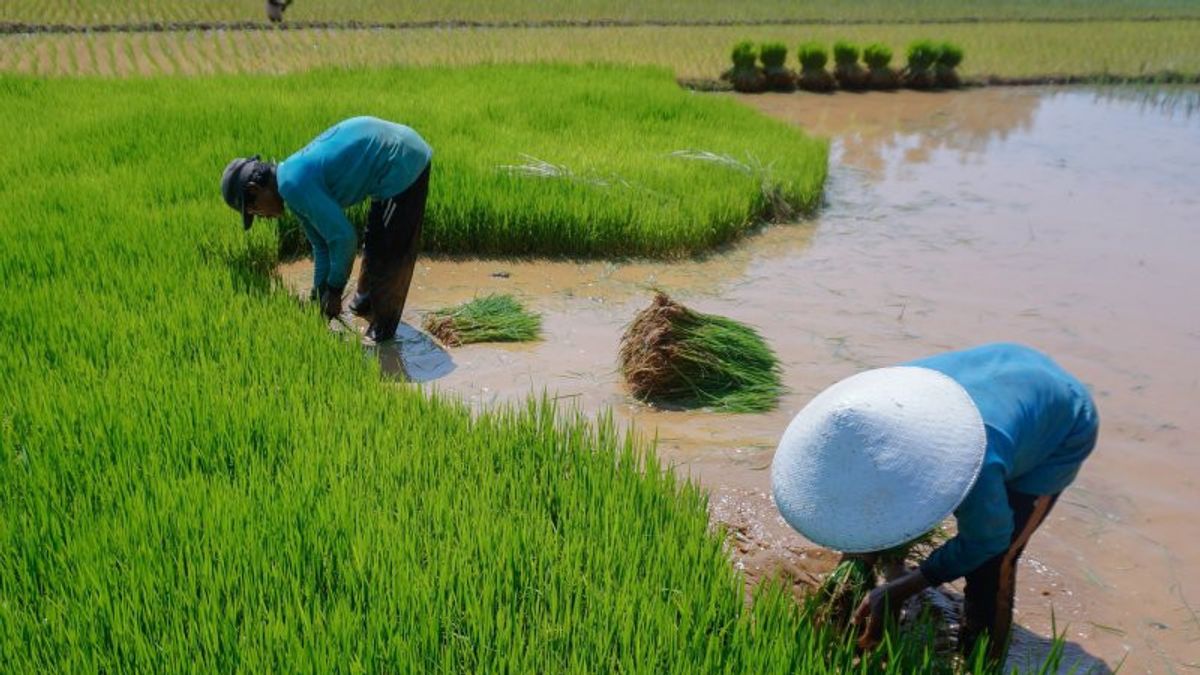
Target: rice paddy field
column 129, row 11
column 196, row 476
column 1111, row 49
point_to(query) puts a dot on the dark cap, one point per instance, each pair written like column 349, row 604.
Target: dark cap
column 233, row 186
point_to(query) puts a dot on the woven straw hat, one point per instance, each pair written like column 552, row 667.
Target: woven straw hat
column 878, row 459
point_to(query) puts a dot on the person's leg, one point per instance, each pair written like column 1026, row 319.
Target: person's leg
column 988, row 601
column 374, row 238
column 402, row 221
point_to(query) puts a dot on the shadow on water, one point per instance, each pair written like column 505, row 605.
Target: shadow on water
column 413, row 356
column 1030, row 650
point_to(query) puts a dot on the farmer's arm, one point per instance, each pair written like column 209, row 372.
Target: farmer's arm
column 985, row 527
column 333, row 228
column 320, row 254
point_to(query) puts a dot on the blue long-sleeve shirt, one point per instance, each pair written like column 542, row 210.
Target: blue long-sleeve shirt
column 357, row 158
column 1041, row 424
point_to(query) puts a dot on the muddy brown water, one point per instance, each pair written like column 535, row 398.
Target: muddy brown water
column 1062, row 218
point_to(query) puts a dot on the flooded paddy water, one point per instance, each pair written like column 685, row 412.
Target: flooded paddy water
column 1061, row 218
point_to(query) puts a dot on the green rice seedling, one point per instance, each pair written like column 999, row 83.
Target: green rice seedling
column 847, row 71
column 813, row 77
column 491, row 318
column 880, row 74
column 949, row 57
column 746, row 76
column 844, row 588
column 922, row 55
column 674, row 356
column 774, row 59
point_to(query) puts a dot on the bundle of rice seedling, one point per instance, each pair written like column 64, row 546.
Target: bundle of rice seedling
column 778, row 76
column 846, row 70
column 492, row 318
column 881, row 75
column 813, row 76
column 922, row 55
column 844, row 589
column 678, row 357
column 745, row 75
column 949, row 56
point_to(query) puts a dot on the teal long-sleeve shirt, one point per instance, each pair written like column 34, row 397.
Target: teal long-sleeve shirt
column 1041, row 424
column 357, row 158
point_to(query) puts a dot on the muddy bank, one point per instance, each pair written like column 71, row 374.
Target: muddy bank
column 1062, row 219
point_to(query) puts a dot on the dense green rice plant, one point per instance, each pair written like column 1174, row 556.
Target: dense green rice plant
column 491, row 318
column 675, row 356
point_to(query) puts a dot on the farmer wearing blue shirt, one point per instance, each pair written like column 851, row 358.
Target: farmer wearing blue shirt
column 993, row 434
column 355, row 159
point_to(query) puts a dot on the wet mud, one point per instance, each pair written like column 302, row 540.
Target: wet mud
column 1063, row 219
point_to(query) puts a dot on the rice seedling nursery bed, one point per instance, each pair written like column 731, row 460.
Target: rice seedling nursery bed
column 195, row 476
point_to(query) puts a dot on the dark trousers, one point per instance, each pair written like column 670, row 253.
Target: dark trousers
column 988, row 597
column 390, row 245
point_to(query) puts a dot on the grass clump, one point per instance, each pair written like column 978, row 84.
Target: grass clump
column 491, row 318
column 813, row 77
column 774, row 59
column 678, row 357
column 846, row 70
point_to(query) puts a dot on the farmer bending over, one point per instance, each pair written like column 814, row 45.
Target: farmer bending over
column 993, row 434
column 358, row 158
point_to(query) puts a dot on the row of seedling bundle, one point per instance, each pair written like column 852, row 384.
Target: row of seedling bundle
column 757, row 68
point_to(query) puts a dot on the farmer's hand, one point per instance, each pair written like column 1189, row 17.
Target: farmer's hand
column 870, row 617
column 873, row 612
column 331, row 302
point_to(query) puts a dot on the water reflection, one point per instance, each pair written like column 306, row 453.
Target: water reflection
column 875, row 131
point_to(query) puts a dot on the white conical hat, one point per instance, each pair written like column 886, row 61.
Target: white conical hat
column 878, row 459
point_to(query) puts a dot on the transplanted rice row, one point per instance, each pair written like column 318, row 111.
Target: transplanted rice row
column 491, row 318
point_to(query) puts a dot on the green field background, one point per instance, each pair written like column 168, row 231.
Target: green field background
column 122, row 11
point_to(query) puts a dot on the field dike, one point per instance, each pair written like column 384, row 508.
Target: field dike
column 195, row 476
